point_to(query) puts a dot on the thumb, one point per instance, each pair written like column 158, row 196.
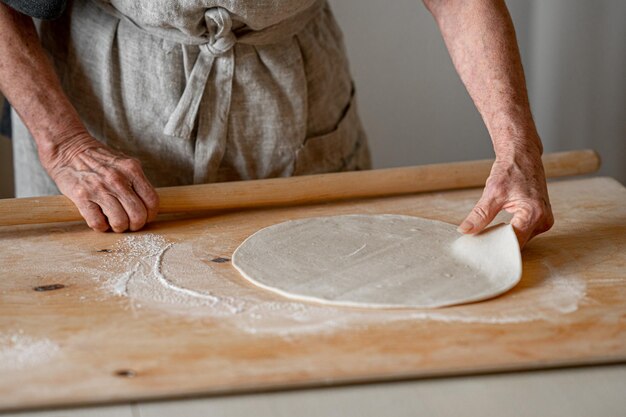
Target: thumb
column 481, row 215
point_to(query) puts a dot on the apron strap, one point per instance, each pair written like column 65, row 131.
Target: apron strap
column 221, row 41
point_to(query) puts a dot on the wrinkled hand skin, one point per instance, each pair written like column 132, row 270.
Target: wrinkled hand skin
column 109, row 189
column 516, row 184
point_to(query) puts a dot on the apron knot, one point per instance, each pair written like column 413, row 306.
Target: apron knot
column 219, row 29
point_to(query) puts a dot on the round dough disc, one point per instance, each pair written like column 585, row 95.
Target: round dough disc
column 380, row 261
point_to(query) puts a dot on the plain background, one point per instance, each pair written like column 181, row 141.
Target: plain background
column 416, row 110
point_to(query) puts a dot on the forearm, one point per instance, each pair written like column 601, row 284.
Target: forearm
column 28, row 81
column 480, row 37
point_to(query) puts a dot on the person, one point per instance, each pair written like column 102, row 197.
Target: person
column 116, row 96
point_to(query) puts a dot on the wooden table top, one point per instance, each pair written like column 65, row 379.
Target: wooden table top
column 88, row 317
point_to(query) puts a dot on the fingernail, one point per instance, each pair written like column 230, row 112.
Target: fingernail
column 465, row 227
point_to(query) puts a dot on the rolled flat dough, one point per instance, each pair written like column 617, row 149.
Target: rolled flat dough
column 380, row 261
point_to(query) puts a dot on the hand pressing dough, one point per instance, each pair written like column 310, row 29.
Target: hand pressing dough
column 380, row 261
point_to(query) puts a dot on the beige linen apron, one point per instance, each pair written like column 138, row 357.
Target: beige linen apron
column 205, row 90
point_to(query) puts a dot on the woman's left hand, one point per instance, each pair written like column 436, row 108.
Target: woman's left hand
column 517, row 184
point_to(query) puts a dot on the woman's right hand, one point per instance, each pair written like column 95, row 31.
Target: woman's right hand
column 109, row 188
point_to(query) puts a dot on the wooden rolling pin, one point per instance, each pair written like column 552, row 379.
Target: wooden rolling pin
column 303, row 189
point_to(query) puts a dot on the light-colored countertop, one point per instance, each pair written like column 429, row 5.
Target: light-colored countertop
column 585, row 391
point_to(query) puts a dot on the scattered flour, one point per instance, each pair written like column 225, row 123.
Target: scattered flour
column 560, row 295
column 143, row 278
column 19, row 351
column 180, row 278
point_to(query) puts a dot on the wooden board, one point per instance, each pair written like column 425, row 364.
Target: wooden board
column 87, row 317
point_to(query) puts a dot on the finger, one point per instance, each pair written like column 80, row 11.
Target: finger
column 481, row 215
column 531, row 219
column 142, row 187
column 132, row 204
column 148, row 195
column 115, row 213
column 135, row 210
column 93, row 216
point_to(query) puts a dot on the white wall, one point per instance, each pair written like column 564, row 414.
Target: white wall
column 413, row 105
column 416, row 110
column 576, row 65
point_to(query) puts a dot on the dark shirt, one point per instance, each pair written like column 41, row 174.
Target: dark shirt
column 5, row 119
column 40, row 9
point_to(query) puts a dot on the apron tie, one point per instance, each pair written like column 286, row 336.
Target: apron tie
column 220, row 43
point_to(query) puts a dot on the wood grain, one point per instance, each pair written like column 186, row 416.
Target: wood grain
column 115, row 348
